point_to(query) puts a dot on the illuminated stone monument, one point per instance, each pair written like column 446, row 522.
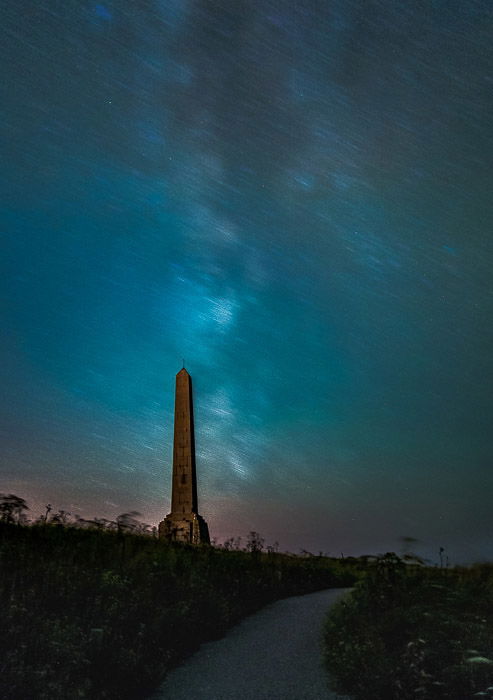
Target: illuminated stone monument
column 184, row 524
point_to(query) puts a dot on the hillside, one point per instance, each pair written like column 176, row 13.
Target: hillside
column 97, row 614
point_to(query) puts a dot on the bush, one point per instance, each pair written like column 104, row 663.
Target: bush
column 414, row 632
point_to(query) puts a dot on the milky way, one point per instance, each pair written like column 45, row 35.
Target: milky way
column 295, row 198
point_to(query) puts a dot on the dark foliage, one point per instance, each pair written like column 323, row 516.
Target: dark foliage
column 95, row 613
column 414, row 632
column 12, row 508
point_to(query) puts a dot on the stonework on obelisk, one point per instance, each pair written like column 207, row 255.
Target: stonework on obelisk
column 184, row 524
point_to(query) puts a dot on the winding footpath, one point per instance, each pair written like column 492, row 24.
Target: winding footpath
column 275, row 654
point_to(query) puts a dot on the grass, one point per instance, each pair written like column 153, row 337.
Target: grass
column 100, row 614
column 414, row 632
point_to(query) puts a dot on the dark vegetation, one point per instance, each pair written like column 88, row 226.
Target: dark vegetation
column 412, row 631
column 92, row 609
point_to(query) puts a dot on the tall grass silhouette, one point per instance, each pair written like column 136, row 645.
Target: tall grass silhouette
column 90, row 610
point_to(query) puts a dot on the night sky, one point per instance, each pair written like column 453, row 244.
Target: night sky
column 296, row 198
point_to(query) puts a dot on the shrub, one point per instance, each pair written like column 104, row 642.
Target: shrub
column 414, row 632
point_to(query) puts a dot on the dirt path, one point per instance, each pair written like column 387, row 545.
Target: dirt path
column 274, row 654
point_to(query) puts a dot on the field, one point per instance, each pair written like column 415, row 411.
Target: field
column 90, row 613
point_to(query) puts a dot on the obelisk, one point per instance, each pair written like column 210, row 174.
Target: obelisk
column 184, row 524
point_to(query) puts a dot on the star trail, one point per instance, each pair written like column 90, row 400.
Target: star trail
column 296, row 199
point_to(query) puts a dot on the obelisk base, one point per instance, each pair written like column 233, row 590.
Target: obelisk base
column 184, row 527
